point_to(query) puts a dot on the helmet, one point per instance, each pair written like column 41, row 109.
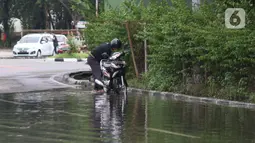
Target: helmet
column 116, row 43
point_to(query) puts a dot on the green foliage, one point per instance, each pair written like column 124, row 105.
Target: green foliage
column 71, row 55
column 73, row 45
column 35, row 14
column 188, row 50
column 82, row 7
column 105, row 29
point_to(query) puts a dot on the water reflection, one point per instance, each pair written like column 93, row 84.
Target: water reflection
column 108, row 115
column 77, row 116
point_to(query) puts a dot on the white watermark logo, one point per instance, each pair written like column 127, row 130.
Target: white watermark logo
column 235, row 18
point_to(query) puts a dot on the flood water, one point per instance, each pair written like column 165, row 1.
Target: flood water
column 73, row 116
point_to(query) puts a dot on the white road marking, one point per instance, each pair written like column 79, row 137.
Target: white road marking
column 53, row 80
column 13, row 102
column 173, row 133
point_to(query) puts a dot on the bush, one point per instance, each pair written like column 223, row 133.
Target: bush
column 190, row 51
column 73, row 46
column 72, row 55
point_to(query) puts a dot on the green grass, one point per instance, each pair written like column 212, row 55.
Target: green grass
column 136, row 83
column 72, row 55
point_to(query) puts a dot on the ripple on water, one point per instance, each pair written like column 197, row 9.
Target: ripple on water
column 77, row 116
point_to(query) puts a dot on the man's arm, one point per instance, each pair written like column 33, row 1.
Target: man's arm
column 109, row 51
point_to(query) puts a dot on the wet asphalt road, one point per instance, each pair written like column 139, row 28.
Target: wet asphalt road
column 23, row 75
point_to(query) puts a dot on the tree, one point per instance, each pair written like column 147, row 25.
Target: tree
column 5, row 17
column 40, row 14
column 78, row 9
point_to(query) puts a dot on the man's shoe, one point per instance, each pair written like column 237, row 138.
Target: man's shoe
column 97, row 91
column 93, row 92
column 100, row 91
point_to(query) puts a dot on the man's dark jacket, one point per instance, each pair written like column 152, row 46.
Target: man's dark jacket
column 99, row 50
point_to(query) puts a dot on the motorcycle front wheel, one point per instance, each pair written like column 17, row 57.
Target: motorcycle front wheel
column 123, row 86
column 116, row 85
column 119, row 85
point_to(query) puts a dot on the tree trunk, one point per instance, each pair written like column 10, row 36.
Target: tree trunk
column 6, row 18
column 50, row 19
column 96, row 8
column 46, row 16
column 132, row 50
column 76, row 18
column 39, row 20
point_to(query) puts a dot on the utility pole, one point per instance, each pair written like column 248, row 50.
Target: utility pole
column 132, row 50
column 96, row 8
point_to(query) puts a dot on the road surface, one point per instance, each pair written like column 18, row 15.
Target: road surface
column 22, row 75
column 6, row 53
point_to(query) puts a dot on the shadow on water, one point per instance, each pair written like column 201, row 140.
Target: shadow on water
column 77, row 116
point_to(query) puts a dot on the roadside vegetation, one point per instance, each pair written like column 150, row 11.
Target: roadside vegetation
column 189, row 51
column 71, row 55
column 73, row 51
column 66, row 14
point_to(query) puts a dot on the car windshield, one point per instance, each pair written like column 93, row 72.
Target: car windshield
column 60, row 38
column 29, row 39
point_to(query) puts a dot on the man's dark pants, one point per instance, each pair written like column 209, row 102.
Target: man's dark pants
column 96, row 71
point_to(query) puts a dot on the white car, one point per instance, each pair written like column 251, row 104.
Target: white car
column 34, row 45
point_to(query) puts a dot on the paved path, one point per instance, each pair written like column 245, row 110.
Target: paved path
column 18, row 75
column 6, row 53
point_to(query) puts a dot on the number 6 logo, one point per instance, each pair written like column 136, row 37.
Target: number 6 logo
column 235, row 18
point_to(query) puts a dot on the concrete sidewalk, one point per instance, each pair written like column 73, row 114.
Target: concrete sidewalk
column 6, row 53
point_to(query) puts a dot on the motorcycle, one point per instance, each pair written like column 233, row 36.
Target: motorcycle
column 113, row 73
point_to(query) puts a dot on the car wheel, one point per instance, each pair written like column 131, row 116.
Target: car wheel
column 39, row 54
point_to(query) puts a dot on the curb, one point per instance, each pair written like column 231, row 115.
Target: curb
column 7, row 58
column 70, row 80
column 170, row 95
column 66, row 60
